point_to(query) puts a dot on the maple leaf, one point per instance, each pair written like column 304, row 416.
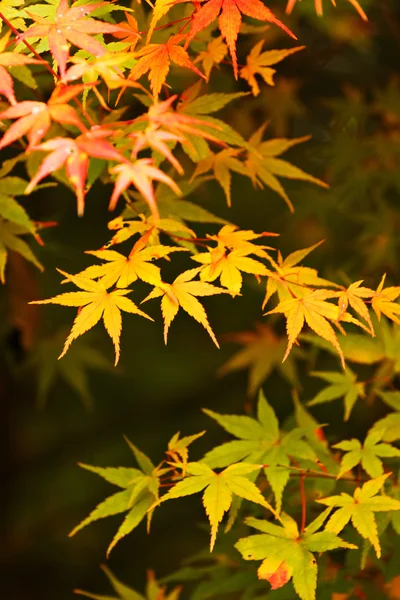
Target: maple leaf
column 139, row 490
column 221, row 164
column 141, row 173
column 157, row 140
column 34, row 118
column 153, row 590
column 354, row 296
column 108, row 66
column 341, row 385
column 360, row 509
column 182, row 293
column 74, row 154
column 290, row 280
column 319, row 7
column 156, row 59
column 121, row 271
column 178, row 451
column 264, row 167
column 367, row 454
column 218, row 490
column 258, row 63
column 233, row 238
column 287, row 554
column 313, row 309
column 95, row 302
column 11, row 59
column 10, row 240
column 262, row 353
column 72, row 370
column 260, row 441
column 383, row 302
column 70, row 25
column 161, row 114
column 228, row 265
column 160, row 9
column 213, row 55
column 129, row 31
column 229, row 21
column 127, row 228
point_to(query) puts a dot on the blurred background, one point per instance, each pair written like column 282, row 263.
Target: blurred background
column 343, row 90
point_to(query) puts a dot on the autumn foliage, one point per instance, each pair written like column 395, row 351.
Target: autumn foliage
column 99, row 60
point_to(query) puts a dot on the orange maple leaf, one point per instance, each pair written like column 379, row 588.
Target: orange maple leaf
column 182, row 293
column 70, row 25
column 34, row 118
column 319, row 8
column 157, row 58
column 129, row 31
column 229, row 21
column 259, row 63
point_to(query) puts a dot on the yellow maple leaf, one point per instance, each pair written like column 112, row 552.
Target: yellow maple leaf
column 354, row 296
column 234, row 238
column 227, row 265
column 214, row 54
column 383, row 301
column 314, row 310
column 289, row 279
column 259, row 63
column 125, row 229
column 182, row 293
column 122, row 270
column 95, row 302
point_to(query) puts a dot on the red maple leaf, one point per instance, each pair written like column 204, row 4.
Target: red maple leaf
column 11, row 59
column 70, row 25
column 34, row 118
column 140, row 173
column 230, row 18
column 74, row 154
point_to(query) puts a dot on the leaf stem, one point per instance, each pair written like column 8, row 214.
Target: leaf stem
column 303, row 503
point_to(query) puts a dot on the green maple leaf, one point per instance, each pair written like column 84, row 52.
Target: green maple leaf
column 287, row 554
column 73, row 370
column 342, row 385
column 14, row 222
column 219, row 489
column 368, row 454
column 153, row 590
column 139, row 492
column 360, row 509
column 262, row 353
column 260, row 441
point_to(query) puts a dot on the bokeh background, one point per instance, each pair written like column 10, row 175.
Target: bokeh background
column 344, row 90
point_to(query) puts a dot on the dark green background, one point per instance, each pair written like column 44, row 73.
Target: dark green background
column 158, row 390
